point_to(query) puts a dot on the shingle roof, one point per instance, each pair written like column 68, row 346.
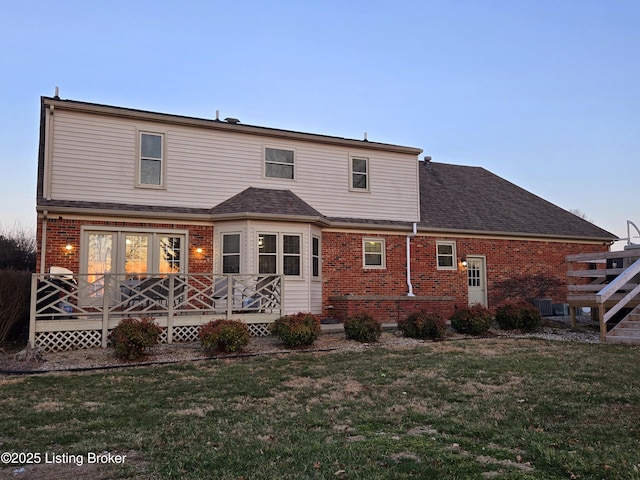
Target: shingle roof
column 267, row 202
column 462, row 198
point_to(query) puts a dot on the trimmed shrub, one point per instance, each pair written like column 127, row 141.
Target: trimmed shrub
column 362, row 328
column 224, row 335
column 518, row 315
column 132, row 336
column 474, row 320
column 298, row 330
column 424, row 325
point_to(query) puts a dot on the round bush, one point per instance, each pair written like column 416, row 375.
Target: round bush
column 298, row 330
column 423, row 325
column 362, row 328
column 224, row 335
column 132, row 336
column 518, row 315
column 474, row 320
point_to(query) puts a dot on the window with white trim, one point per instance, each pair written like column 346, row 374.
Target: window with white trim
column 373, row 253
column 280, row 253
column 231, row 253
column 291, row 255
column 131, row 254
column 315, row 257
column 446, row 256
column 359, row 174
column 278, row 163
column 267, row 253
column 151, row 160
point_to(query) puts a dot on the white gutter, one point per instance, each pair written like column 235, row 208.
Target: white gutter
column 413, row 234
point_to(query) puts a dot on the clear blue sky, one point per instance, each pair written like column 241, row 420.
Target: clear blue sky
column 544, row 93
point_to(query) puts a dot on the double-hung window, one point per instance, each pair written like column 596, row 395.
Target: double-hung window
column 446, row 255
column 373, row 253
column 360, row 174
column 279, row 253
column 267, row 253
column 151, row 160
column 278, row 163
column 231, row 253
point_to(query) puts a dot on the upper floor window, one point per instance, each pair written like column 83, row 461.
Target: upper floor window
column 360, row 174
column 446, row 255
column 151, row 159
column 373, row 252
column 278, row 163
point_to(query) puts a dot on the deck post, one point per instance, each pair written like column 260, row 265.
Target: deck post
column 603, row 325
column 106, row 293
column 229, row 297
column 572, row 312
column 32, row 310
column 170, row 303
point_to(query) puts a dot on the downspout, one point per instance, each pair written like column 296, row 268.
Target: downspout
column 413, row 234
column 43, row 248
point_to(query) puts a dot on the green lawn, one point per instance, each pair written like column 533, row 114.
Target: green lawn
column 476, row 408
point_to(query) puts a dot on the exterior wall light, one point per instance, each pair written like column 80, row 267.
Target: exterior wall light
column 199, row 250
column 463, row 262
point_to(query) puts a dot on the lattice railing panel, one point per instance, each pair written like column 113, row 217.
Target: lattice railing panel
column 186, row 334
column 72, row 296
column 259, row 329
column 59, row 341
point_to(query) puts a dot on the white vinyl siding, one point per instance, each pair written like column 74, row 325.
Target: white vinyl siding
column 95, row 157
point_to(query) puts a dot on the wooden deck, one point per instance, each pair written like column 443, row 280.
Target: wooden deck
column 608, row 282
column 70, row 311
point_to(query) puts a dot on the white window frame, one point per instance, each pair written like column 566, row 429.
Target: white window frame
column 316, row 258
column 119, row 246
column 367, row 174
column 383, row 260
column 223, row 254
column 280, row 254
column 453, row 255
column 265, row 162
column 140, row 159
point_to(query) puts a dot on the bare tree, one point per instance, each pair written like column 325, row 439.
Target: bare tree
column 581, row 215
column 17, row 249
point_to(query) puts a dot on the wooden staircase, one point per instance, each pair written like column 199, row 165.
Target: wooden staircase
column 609, row 284
column 627, row 331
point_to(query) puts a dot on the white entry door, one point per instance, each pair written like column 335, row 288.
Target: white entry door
column 477, row 280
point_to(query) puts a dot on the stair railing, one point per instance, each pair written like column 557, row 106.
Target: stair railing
column 610, row 289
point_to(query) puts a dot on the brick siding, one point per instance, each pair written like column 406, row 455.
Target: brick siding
column 61, row 231
column 346, row 283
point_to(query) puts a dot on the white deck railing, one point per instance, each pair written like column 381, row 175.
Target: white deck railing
column 78, row 311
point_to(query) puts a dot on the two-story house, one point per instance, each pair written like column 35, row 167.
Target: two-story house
column 333, row 225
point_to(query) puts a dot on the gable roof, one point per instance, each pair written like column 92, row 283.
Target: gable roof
column 265, row 202
column 457, row 198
